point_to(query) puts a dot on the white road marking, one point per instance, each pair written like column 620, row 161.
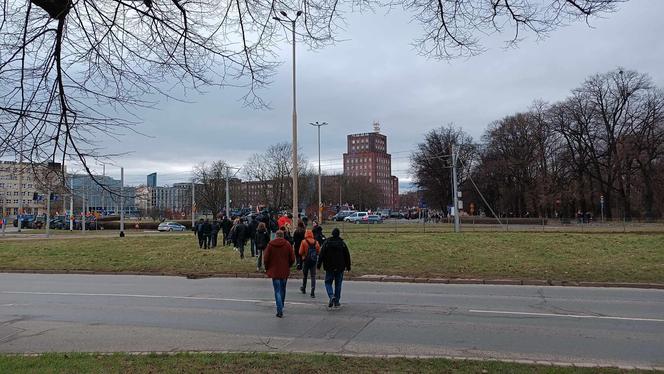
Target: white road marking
column 256, row 301
column 564, row 315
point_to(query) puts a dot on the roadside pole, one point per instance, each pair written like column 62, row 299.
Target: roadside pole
column 122, row 234
column 457, row 226
column 71, row 203
column 48, row 213
column 83, row 215
column 193, row 203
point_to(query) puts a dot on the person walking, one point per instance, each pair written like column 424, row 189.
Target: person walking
column 279, row 258
column 226, row 225
column 262, row 238
column 334, row 257
column 207, row 233
column 308, row 251
column 240, row 236
column 253, row 225
column 318, row 233
column 199, row 233
column 216, row 226
column 298, row 237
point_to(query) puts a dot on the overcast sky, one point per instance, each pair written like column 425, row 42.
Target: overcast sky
column 376, row 75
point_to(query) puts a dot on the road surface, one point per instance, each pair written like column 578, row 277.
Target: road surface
column 44, row 313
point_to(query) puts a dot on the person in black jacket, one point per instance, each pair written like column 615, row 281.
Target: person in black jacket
column 334, row 257
column 253, row 225
column 318, row 233
column 240, row 236
column 261, row 239
column 198, row 229
column 226, row 225
column 216, row 226
column 298, row 237
column 207, row 233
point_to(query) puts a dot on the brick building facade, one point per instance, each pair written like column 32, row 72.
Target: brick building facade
column 367, row 157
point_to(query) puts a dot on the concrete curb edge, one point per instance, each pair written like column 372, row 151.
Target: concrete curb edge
column 363, row 278
column 384, row 356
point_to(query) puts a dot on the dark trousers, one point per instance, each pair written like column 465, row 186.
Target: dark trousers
column 279, row 286
column 309, row 267
column 201, row 240
column 225, row 238
column 253, row 247
column 213, row 239
column 240, row 247
column 259, row 259
column 337, row 277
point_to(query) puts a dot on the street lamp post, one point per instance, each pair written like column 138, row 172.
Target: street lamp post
column 295, row 171
column 320, row 189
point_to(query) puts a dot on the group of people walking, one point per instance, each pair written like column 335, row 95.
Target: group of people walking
column 278, row 248
column 333, row 255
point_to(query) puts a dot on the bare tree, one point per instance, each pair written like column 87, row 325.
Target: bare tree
column 74, row 73
column 274, row 169
column 211, row 186
column 431, row 163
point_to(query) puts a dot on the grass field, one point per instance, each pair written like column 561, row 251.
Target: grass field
column 265, row 363
column 549, row 256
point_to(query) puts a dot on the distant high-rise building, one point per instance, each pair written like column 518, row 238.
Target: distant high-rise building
column 152, row 180
column 367, row 156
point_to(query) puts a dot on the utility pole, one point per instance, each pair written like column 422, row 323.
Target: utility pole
column 48, row 213
column 19, row 219
column 84, row 217
column 193, row 203
column 103, row 205
column 457, row 226
column 71, row 203
column 228, row 196
column 122, row 234
column 320, row 193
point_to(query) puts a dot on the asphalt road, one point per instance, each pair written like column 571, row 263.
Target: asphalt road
column 40, row 313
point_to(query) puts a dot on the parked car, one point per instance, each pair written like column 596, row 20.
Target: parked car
column 58, row 223
column 342, row 214
column 371, row 218
column 355, row 217
column 170, row 226
column 397, row 215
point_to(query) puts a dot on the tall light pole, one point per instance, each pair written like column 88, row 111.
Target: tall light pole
column 228, row 196
column 320, row 189
column 295, row 171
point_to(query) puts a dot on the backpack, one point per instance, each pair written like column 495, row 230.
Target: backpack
column 312, row 255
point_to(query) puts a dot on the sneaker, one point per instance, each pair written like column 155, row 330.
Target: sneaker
column 280, row 314
column 258, row 270
column 303, row 290
column 336, row 304
column 313, row 295
column 331, row 303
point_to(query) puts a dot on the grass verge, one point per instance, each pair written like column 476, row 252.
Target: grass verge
column 554, row 256
column 265, row 363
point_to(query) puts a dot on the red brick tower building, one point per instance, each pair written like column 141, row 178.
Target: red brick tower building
column 367, row 157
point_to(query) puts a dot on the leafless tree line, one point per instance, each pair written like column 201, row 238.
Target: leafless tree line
column 77, row 73
column 603, row 143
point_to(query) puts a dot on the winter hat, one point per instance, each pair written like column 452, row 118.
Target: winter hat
column 335, row 232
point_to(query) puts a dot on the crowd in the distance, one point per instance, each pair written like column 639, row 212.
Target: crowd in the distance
column 277, row 247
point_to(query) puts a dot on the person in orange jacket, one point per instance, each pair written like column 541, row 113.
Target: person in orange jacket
column 309, row 250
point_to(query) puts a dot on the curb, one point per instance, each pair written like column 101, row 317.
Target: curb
column 362, row 278
column 380, row 356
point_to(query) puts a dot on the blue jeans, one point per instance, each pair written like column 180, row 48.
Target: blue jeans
column 338, row 278
column 279, row 286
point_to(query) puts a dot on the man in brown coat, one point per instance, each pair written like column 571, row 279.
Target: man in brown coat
column 278, row 259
